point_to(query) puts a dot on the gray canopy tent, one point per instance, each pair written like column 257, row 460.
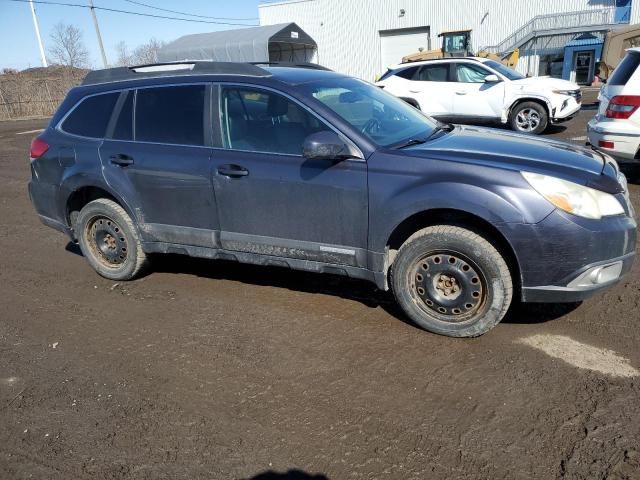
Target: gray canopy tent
column 285, row 42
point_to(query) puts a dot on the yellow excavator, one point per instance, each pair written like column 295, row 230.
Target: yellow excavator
column 457, row 43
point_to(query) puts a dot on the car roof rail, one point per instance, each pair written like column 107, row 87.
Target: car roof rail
column 172, row 69
column 312, row 66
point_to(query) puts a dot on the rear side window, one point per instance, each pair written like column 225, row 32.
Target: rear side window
column 91, row 116
column 407, row 73
column 623, row 72
column 170, row 115
column 434, row 73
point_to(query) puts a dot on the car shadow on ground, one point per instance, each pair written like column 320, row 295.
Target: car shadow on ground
column 325, row 284
column 290, row 475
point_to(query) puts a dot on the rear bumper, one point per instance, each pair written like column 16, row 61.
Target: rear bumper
column 625, row 138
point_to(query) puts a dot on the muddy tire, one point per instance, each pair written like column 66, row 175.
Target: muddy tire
column 529, row 117
column 451, row 281
column 109, row 240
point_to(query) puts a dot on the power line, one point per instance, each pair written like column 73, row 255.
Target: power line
column 115, row 10
column 187, row 14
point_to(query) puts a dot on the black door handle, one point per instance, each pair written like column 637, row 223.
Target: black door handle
column 233, row 171
column 121, row 159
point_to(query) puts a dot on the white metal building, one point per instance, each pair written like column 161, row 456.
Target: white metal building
column 363, row 37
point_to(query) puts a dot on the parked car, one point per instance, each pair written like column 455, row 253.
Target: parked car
column 313, row 170
column 480, row 90
column 616, row 127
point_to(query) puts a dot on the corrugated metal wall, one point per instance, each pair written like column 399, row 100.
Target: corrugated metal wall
column 347, row 31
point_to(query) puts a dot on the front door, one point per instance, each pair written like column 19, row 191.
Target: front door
column 273, row 201
column 473, row 97
column 165, row 171
column 583, row 68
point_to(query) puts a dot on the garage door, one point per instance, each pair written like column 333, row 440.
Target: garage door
column 395, row 44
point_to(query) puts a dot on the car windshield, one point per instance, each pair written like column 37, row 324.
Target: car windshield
column 504, row 70
column 384, row 119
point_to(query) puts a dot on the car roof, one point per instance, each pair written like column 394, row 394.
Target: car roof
column 438, row 60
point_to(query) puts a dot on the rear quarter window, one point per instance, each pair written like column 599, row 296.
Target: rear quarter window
column 625, row 69
column 91, row 116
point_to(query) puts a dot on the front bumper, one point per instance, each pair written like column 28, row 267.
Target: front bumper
column 556, row 254
column 565, row 110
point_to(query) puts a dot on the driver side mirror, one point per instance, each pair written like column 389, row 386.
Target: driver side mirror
column 327, row 145
column 491, row 79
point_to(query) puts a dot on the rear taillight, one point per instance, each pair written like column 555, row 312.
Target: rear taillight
column 623, row 106
column 38, row 148
column 606, row 144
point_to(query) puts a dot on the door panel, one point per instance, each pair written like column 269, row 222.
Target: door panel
column 283, row 204
column 473, row 97
column 432, row 88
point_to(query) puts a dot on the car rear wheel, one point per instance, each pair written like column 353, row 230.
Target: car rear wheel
column 109, row 240
column 451, row 281
column 529, row 117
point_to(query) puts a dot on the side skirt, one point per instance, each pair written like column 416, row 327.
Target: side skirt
column 378, row 278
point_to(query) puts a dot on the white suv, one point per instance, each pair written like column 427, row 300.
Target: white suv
column 616, row 127
column 474, row 89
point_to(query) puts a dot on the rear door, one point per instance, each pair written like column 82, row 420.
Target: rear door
column 432, row 87
column 158, row 157
column 272, row 200
column 473, row 97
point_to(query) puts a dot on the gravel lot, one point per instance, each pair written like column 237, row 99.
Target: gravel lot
column 214, row 370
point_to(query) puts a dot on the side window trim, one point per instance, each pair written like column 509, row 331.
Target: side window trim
column 288, row 97
column 59, row 128
column 115, row 114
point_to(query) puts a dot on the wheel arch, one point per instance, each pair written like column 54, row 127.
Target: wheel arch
column 539, row 100
column 450, row 216
column 84, row 194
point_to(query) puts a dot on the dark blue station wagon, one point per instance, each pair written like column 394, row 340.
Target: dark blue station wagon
column 305, row 168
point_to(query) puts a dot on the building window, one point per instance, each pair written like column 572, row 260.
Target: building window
column 551, row 65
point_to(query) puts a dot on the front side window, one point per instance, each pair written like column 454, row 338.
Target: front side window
column 91, row 116
column 504, row 70
column 258, row 120
column 171, row 115
column 468, row 73
column 383, row 118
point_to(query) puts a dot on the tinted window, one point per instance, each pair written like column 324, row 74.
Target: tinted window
column 171, row 115
column 434, row 73
column 123, row 129
column 91, row 116
column 623, row 72
column 261, row 121
column 407, row 73
column 468, row 73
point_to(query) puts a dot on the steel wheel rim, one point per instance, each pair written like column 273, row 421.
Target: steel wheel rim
column 448, row 286
column 527, row 119
column 107, row 241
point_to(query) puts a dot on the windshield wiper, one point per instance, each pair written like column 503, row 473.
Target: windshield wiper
column 411, row 141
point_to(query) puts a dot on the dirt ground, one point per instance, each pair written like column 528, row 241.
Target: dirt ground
column 215, row 370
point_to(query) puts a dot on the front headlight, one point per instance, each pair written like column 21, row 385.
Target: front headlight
column 573, row 198
column 564, row 92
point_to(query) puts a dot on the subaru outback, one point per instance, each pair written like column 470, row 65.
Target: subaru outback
column 309, row 169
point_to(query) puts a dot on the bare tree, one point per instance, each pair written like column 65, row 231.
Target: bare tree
column 68, row 47
column 124, row 57
column 147, row 52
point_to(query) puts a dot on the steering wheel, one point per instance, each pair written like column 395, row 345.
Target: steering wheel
column 372, row 126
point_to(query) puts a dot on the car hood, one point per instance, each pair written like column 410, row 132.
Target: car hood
column 546, row 83
column 501, row 149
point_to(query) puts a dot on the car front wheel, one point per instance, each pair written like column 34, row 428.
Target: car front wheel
column 451, row 281
column 529, row 117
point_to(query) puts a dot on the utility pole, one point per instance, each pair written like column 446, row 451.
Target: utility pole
column 95, row 23
column 35, row 24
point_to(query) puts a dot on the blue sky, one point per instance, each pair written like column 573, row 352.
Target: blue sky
column 19, row 48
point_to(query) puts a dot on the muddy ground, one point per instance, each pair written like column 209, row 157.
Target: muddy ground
column 215, row 370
